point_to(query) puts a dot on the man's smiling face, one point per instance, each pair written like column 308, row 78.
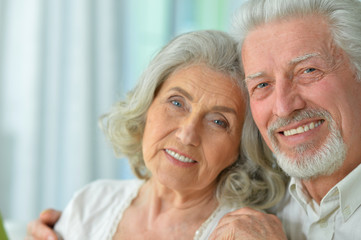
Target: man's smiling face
column 304, row 95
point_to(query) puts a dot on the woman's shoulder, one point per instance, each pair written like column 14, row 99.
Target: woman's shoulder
column 103, row 193
column 104, row 188
column 107, row 186
column 210, row 224
column 94, row 210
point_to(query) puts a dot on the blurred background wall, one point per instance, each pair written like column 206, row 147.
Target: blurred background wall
column 63, row 63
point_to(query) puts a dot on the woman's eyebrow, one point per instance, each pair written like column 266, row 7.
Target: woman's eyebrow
column 224, row 109
column 182, row 91
column 215, row 108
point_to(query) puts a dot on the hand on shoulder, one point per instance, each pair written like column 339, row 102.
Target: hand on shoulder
column 247, row 223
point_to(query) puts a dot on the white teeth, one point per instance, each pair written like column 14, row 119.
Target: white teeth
column 179, row 157
column 302, row 129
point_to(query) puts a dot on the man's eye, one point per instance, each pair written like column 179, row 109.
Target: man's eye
column 262, row 85
column 309, row 70
column 221, row 123
column 176, row 103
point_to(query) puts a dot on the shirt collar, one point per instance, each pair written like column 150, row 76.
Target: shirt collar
column 296, row 190
column 347, row 190
column 350, row 192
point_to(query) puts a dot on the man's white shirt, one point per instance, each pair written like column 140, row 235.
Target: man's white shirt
column 337, row 217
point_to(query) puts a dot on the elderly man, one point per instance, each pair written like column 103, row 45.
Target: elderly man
column 302, row 63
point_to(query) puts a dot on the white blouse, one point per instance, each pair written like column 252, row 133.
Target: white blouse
column 96, row 210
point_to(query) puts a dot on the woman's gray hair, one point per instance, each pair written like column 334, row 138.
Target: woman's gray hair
column 343, row 17
column 243, row 183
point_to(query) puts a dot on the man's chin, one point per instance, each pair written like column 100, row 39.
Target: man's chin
column 309, row 166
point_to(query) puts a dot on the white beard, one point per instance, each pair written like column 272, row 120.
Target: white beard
column 311, row 162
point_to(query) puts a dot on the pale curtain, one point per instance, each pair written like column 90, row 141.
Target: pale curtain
column 63, row 63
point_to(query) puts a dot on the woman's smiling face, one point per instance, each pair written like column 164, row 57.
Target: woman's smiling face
column 193, row 128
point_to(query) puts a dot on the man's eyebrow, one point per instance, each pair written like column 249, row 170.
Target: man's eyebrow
column 303, row 58
column 292, row 62
column 182, row 91
column 253, row 76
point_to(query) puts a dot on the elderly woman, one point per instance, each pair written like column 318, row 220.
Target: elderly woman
column 181, row 130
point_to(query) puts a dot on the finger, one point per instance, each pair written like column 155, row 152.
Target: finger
column 222, row 233
column 38, row 231
column 228, row 219
column 50, row 217
column 250, row 227
column 241, row 226
column 239, row 213
column 247, row 211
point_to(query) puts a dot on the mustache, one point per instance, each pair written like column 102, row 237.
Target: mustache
column 298, row 116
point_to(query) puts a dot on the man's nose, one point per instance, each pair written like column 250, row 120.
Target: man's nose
column 188, row 131
column 287, row 98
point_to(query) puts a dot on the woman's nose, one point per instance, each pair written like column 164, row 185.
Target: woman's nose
column 188, row 131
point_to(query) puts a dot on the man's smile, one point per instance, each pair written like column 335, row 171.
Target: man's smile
column 302, row 129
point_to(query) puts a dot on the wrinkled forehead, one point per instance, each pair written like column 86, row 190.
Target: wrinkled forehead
column 287, row 40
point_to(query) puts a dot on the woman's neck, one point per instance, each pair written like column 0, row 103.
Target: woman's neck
column 165, row 208
column 179, row 199
column 160, row 213
column 160, row 200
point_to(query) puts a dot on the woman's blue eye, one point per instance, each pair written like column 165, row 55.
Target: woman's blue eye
column 221, row 123
column 262, row 85
column 309, row 70
column 176, row 103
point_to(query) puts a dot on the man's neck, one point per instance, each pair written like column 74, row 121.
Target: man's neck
column 318, row 187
